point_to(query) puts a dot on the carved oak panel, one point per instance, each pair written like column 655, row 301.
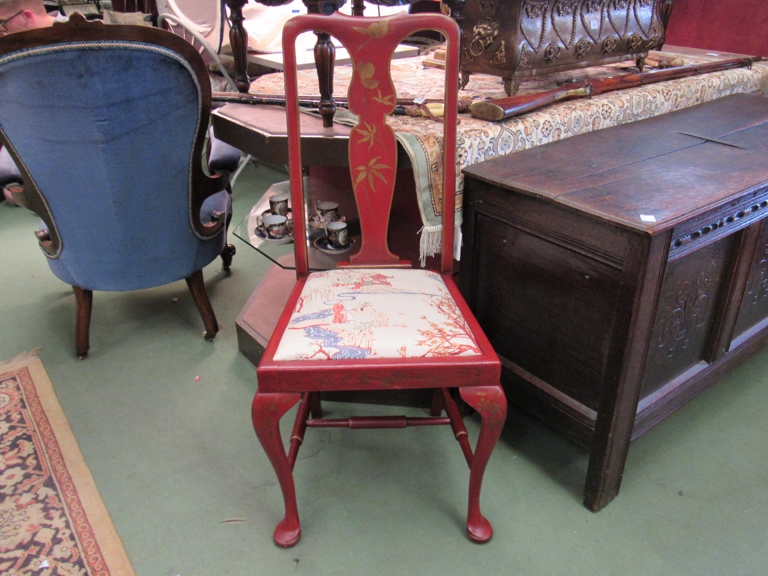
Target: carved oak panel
column 754, row 306
column 686, row 311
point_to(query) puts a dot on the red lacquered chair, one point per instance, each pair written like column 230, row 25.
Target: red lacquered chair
column 375, row 323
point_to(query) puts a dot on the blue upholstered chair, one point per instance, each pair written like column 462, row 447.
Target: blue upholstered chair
column 107, row 124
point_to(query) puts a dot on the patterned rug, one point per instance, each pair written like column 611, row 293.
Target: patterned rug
column 52, row 519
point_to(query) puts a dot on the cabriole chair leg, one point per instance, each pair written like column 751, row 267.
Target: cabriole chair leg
column 491, row 404
column 266, row 412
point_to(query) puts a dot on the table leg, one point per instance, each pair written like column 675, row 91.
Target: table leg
column 325, row 56
column 238, row 38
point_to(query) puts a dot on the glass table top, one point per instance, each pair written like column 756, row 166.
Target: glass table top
column 281, row 251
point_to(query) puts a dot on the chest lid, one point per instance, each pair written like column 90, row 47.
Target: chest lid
column 651, row 174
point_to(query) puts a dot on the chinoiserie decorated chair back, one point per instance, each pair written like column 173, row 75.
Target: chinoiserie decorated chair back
column 375, row 322
column 107, row 124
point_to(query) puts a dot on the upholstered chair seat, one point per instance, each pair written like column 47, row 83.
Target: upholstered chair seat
column 389, row 313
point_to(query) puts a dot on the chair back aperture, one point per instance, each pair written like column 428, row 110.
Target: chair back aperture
column 114, row 152
column 372, row 144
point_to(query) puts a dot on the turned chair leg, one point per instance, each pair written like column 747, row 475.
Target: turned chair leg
column 491, row 404
column 84, row 302
column 457, row 424
column 299, row 428
column 315, row 406
column 197, row 288
column 266, row 412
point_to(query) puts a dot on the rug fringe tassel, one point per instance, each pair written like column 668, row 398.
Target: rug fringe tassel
column 33, row 353
column 429, row 243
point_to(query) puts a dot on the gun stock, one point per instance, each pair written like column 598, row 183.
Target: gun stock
column 502, row 108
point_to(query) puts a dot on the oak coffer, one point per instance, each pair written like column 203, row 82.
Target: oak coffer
column 621, row 272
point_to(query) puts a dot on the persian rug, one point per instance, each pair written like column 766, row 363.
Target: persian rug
column 479, row 140
column 52, row 519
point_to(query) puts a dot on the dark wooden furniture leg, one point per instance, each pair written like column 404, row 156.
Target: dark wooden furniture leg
column 491, row 404
column 266, row 412
column 613, row 432
column 325, row 56
column 325, row 53
column 84, row 302
column 238, row 38
column 197, row 288
column 358, row 7
column 618, row 405
column 226, row 256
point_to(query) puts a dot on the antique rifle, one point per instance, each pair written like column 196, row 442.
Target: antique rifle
column 418, row 107
column 268, row 99
column 401, row 107
column 503, row 108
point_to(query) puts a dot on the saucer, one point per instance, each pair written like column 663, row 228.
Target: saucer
column 316, row 224
column 323, row 245
column 261, row 233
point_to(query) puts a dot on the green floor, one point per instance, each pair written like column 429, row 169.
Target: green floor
column 163, row 420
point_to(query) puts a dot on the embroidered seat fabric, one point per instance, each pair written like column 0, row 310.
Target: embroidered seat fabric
column 375, row 313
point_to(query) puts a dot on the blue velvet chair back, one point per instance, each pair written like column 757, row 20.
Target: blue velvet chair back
column 108, row 135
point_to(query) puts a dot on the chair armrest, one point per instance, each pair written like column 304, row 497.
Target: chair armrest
column 17, row 195
column 221, row 156
column 211, row 204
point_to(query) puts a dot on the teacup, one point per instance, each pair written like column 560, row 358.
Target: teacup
column 275, row 226
column 327, row 211
column 338, row 235
column 278, row 204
